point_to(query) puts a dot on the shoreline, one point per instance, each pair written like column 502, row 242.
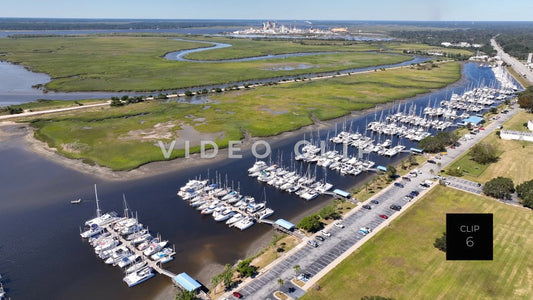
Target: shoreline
column 166, row 166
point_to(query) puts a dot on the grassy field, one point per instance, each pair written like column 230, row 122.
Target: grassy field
column 401, row 262
column 509, row 163
column 126, row 137
column 136, row 63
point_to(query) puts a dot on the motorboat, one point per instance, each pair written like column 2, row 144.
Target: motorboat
column 245, row 223
column 154, row 247
column 164, row 252
column 138, row 276
column 136, row 267
column 92, row 231
column 237, row 217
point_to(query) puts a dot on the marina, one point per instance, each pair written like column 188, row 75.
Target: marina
column 196, row 235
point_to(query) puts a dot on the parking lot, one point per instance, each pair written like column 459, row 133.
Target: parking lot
column 464, row 185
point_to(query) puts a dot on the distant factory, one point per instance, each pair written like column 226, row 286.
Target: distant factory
column 272, row 27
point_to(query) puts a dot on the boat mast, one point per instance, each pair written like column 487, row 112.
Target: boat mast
column 98, row 211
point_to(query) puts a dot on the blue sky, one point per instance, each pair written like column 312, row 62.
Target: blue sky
column 423, row 10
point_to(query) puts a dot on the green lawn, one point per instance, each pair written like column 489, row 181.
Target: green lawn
column 126, row 137
column 509, row 163
column 136, row 63
column 401, row 262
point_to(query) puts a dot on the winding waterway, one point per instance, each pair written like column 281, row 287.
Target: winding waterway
column 180, row 55
column 17, row 83
column 40, row 248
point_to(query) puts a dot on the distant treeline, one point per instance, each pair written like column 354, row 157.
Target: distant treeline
column 103, row 24
column 515, row 37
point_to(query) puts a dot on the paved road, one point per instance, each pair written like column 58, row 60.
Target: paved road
column 519, row 67
column 42, row 112
column 314, row 260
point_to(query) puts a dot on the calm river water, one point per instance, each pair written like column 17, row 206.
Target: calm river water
column 42, row 255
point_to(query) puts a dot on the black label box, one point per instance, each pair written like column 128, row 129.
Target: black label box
column 469, row 237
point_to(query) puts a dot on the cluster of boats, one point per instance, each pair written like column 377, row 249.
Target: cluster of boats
column 413, row 133
column 505, row 79
column 124, row 242
column 474, row 100
column 224, row 204
column 305, row 186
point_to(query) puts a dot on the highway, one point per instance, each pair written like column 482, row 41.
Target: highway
column 519, row 67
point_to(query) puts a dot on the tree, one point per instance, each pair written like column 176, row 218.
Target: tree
column 245, row 269
column 376, row 298
column 525, row 192
column 124, row 98
column 188, row 93
column 499, row 187
column 525, row 99
column 440, row 242
column 412, row 160
column 296, row 269
column 280, row 282
column 438, row 142
column 329, row 212
column 116, row 102
column 391, row 171
column 311, row 223
column 224, row 277
column 186, row 295
column 484, row 153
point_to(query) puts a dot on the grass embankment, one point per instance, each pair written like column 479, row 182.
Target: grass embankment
column 513, row 159
column 126, row 137
column 136, row 63
column 401, row 262
column 524, row 82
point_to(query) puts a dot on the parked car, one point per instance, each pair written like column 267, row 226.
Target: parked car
column 237, row 295
column 339, row 225
column 406, row 178
column 431, row 161
column 366, row 206
column 374, row 201
column 395, row 207
column 414, row 193
column 320, row 238
column 312, row 243
column 365, row 230
column 383, row 216
column 325, row 233
column 398, row 184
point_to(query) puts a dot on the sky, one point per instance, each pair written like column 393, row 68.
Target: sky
column 420, row 10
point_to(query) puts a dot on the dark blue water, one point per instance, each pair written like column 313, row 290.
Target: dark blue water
column 40, row 248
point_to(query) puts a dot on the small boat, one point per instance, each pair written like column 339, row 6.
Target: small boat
column 78, row 201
